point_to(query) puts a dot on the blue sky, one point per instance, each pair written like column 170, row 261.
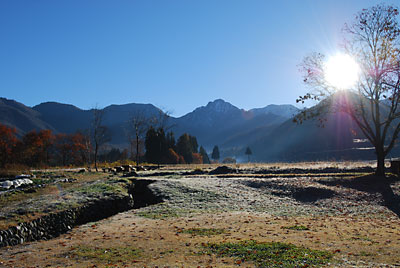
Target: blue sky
column 176, row 54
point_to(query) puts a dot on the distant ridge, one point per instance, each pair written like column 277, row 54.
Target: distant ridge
column 269, row 131
column 21, row 117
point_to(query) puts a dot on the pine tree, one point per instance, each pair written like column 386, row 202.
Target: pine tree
column 248, row 152
column 184, row 147
column 215, row 153
column 204, row 155
column 155, row 144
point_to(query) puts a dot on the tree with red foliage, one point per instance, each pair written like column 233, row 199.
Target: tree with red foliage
column 7, row 144
column 47, row 140
column 78, row 148
column 172, row 157
column 63, row 147
column 197, row 158
column 35, row 147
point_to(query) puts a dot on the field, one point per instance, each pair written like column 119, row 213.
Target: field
column 275, row 215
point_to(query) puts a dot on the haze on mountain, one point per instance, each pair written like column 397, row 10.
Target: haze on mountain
column 269, row 131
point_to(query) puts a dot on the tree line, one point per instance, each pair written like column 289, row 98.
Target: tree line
column 161, row 148
column 43, row 148
column 148, row 137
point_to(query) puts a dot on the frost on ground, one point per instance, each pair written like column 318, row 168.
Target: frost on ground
column 341, row 209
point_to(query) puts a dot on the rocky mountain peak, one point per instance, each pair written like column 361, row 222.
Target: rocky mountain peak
column 220, row 106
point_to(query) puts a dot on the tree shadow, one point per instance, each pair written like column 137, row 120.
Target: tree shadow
column 312, row 194
column 372, row 184
column 307, row 194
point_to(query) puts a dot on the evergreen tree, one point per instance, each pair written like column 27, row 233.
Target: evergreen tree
column 170, row 140
column 184, row 147
column 248, row 152
column 215, row 153
column 204, row 155
column 194, row 144
column 151, row 145
column 156, row 145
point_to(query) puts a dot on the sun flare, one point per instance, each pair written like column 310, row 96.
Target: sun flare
column 341, row 71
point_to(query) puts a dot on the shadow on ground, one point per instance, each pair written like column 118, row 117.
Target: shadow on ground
column 143, row 196
column 306, row 195
column 372, row 184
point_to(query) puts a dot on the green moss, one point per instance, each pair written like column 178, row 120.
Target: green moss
column 361, row 237
column 272, row 254
column 203, row 231
column 40, row 180
column 101, row 188
column 161, row 211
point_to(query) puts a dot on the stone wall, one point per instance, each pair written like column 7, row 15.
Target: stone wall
column 54, row 224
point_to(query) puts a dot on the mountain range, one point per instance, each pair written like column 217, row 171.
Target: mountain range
column 270, row 131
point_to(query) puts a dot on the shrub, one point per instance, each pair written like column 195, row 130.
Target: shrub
column 229, row 160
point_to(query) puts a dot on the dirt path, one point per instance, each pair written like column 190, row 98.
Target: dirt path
column 352, row 223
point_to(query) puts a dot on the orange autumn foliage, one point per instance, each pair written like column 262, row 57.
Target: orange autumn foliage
column 8, row 142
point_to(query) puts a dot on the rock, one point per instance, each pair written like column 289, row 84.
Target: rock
column 223, row 170
column 17, row 183
column 140, row 168
column 198, row 172
column 54, row 224
column 6, row 184
column 118, row 169
column 128, row 168
column 21, row 182
column 67, row 180
column 23, row 176
column 27, row 181
column 131, row 174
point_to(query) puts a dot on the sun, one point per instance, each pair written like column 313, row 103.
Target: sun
column 341, row 71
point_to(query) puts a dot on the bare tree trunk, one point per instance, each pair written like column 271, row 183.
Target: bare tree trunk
column 95, row 156
column 380, row 168
column 137, row 150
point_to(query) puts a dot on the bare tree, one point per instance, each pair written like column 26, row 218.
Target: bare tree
column 100, row 133
column 162, row 120
column 373, row 40
column 138, row 125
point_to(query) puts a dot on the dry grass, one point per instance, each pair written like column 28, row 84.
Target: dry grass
column 55, row 195
column 352, row 224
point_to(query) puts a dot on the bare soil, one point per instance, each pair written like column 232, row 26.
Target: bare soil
column 342, row 207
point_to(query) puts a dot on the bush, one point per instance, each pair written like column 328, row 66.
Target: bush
column 197, row 158
column 229, row 160
column 172, row 157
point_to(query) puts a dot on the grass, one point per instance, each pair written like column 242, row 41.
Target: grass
column 203, row 231
column 10, row 171
column 297, row 228
column 162, row 211
column 97, row 188
column 20, row 195
column 107, row 255
column 271, row 254
column 361, row 237
column 23, row 205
